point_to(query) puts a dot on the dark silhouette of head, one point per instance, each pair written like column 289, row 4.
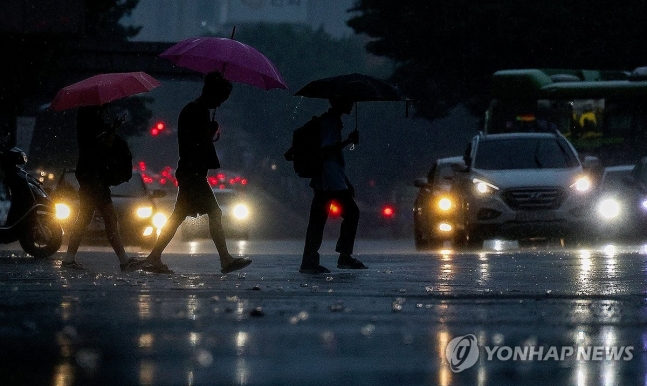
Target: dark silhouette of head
column 91, row 117
column 341, row 105
column 216, row 89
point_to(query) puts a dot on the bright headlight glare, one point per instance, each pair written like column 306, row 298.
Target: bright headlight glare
column 582, row 184
column 144, row 212
column 159, row 220
column 62, row 211
column 445, row 204
column 484, row 187
column 609, row 208
column 644, row 204
column 240, row 211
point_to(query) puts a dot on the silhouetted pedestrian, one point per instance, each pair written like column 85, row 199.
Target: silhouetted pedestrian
column 332, row 184
column 196, row 131
column 95, row 137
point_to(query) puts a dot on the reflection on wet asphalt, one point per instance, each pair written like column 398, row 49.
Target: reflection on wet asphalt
column 270, row 325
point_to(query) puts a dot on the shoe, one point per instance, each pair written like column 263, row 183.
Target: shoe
column 157, row 267
column 132, row 265
column 348, row 262
column 236, row 264
column 314, row 270
column 73, row 265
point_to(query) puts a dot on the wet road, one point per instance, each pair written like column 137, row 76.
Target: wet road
column 269, row 325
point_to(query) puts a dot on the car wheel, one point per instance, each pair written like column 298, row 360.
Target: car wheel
column 459, row 240
column 474, row 239
column 420, row 242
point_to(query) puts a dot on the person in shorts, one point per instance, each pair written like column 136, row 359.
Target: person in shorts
column 196, row 131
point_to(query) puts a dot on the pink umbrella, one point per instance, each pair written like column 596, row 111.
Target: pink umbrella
column 237, row 61
column 103, row 88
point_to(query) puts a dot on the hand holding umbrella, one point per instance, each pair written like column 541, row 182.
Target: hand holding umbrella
column 353, row 87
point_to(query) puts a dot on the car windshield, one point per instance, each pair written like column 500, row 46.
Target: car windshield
column 133, row 188
column 523, row 153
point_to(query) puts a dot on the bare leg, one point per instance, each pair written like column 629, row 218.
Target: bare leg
column 218, row 236
column 86, row 211
column 112, row 231
column 166, row 236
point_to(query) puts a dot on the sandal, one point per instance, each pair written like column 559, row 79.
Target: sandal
column 157, row 267
column 73, row 265
column 236, row 264
column 131, row 265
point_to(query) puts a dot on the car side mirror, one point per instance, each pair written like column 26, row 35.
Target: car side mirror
column 456, row 168
column 420, row 182
column 158, row 193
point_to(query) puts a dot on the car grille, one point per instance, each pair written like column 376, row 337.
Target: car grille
column 534, row 199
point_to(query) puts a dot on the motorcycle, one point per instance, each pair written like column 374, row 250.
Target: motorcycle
column 31, row 219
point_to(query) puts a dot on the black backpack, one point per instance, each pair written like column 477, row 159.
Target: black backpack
column 305, row 152
column 119, row 162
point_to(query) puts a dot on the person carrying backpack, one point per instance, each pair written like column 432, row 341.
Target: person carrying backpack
column 95, row 139
column 331, row 184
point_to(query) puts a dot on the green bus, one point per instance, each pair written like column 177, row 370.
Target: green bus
column 603, row 113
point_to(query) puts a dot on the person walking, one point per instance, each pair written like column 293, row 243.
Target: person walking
column 196, row 131
column 95, row 137
column 332, row 184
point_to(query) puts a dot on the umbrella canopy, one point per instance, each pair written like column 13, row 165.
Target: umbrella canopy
column 237, row 61
column 103, row 88
column 355, row 87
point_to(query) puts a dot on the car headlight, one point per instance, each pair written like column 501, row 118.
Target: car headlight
column 144, row 211
column 483, row 187
column 63, row 211
column 582, row 184
column 159, row 220
column 240, row 211
column 609, row 208
column 445, row 204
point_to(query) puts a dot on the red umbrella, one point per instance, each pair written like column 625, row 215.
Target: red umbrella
column 103, row 88
column 237, row 61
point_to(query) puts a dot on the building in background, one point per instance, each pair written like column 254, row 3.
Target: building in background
column 180, row 19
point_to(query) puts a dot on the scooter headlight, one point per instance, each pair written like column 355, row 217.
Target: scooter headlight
column 63, row 211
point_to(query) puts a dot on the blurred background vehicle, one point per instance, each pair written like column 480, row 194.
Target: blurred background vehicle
column 435, row 208
column 236, row 217
column 140, row 222
column 621, row 204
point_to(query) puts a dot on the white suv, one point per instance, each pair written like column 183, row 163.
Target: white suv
column 523, row 186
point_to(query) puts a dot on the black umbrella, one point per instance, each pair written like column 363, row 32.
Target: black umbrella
column 355, row 87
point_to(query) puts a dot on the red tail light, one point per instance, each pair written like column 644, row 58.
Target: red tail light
column 388, row 211
column 335, row 209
